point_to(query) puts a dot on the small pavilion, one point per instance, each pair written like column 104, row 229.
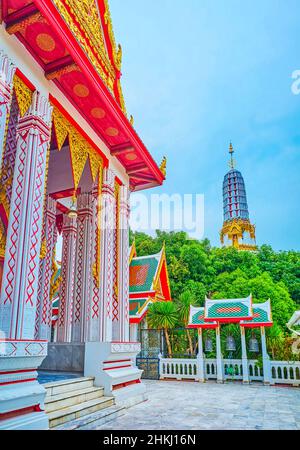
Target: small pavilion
column 242, row 311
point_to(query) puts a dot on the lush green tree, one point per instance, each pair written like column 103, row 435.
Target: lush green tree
column 163, row 316
column 202, row 270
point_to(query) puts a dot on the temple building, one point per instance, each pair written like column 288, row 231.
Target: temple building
column 148, row 283
column 237, row 230
column 69, row 158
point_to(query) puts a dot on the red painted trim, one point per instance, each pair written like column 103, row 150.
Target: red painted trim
column 25, row 80
column 209, row 325
column 138, row 319
column 19, row 412
column 17, row 381
column 128, row 383
column 23, row 340
column 141, row 295
column 17, row 371
column 117, row 367
column 117, row 361
column 227, row 319
column 78, row 128
column 257, row 324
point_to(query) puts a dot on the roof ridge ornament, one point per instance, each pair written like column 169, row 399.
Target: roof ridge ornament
column 163, row 166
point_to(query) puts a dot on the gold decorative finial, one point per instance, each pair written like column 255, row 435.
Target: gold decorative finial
column 163, row 166
column 131, row 120
column 119, row 57
column 232, row 162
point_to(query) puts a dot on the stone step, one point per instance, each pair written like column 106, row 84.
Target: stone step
column 56, row 402
column 94, row 420
column 64, row 415
column 74, row 384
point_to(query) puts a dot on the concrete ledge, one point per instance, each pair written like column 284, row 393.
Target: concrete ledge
column 64, row 357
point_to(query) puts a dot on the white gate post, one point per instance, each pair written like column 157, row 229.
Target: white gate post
column 266, row 358
column 200, row 358
column 220, row 378
column 244, row 357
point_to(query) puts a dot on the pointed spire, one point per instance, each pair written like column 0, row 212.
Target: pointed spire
column 232, row 163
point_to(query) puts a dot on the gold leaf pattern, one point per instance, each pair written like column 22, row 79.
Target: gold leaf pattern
column 23, row 95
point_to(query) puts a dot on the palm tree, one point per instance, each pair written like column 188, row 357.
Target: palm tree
column 186, row 299
column 163, row 316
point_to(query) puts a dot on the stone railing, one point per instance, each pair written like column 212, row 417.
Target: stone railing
column 282, row 372
column 178, row 368
column 285, row 372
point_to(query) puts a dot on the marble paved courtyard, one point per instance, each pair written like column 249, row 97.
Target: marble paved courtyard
column 175, row 405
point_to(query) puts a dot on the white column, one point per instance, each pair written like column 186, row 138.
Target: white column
column 64, row 323
column 266, row 358
column 107, row 254
column 244, row 357
column 7, row 71
column 123, row 281
column 23, row 242
column 83, row 268
column 44, row 309
column 220, row 377
column 94, row 309
column 200, row 357
column 134, row 332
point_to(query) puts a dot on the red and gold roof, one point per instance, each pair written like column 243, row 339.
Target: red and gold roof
column 73, row 42
column 148, row 282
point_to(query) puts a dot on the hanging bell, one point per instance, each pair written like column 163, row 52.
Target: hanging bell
column 208, row 345
column 230, row 344
column 253, row 345
column 72, row 213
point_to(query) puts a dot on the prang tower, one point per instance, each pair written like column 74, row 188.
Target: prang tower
column 237, row 229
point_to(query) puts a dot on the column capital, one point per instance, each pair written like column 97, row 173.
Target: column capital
column 7, row 70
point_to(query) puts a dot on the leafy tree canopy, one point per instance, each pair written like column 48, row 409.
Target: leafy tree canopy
column 196, row 269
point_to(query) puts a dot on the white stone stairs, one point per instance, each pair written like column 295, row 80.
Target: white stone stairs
column 78, row 404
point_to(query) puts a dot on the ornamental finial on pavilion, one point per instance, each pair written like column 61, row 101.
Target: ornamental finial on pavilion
column 163, row 166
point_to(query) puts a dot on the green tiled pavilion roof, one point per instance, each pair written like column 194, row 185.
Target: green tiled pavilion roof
column 196, row 319
column 261, row 315
column 229, row 309
column 142, row 272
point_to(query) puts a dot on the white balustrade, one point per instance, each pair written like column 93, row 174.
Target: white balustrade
column 178, row 369
column 233, row 369
column 210, row 369
column 285, row 372
column 255, row 371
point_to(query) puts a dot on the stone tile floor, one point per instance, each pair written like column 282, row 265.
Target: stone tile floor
column 50, row 377
column 179, row 405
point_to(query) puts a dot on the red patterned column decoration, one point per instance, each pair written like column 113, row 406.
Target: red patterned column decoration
column 64, row 324
column 123, row 241
column 23, row 243
column 115, row 298
column 7, row 71
column 107, row 254
column 44, row 309
column 94, row 310
column 83, row 269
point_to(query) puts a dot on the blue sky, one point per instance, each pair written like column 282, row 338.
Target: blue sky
column 199, row 73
